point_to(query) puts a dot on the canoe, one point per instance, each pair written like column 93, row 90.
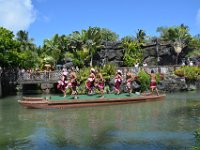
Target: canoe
column 85, row 100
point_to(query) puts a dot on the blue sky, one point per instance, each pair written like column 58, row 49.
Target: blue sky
column 44, row 18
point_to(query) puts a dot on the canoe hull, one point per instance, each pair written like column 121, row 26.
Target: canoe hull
column 44, row 103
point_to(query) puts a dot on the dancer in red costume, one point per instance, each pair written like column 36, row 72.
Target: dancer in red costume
column 153, row 82
column 130, row 77
column 118, row 81
column 73, row 84
column 100, row 82
column 62, row 84
column 90, row 81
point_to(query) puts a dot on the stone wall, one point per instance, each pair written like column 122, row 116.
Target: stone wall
column 113, row 52
column 9, row 81
column 162, row 54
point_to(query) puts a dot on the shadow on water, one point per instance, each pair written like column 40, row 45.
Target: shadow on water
column 187, row 108
column 192, row 109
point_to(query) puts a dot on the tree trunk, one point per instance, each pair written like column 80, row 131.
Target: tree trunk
column 0, row 88
column 91, row 59
column 177, row 58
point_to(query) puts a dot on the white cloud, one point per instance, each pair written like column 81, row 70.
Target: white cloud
column 198, row 17
column 17, row 14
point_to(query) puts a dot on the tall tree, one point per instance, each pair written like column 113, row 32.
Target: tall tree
column 93, row 41
column 26, row 43
column 128, row 39
column 76, row 47
column 133, row 53
column 51, row 52
column 194, row 45
column 8, row 48
column 27, row 49
column 140, row 36
column 178, row 35
column 108, row 35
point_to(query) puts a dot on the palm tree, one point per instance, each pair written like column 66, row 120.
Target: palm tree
column 51, row 49
column 27, row 49
column 26, row 43
column 128, row 39
column 178, row 35
column 181, row 39
column 92, row 41
column 140, row 35
column 178, row 46
column 108, row 35
column 76, row 41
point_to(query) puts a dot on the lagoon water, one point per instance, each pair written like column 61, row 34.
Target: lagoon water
column 157, row 125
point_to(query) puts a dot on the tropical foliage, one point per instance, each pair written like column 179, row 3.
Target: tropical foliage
column 108, row 71
column 108, row 35
column 140, row 36
column 197, row 138
column 17, row 52
column 189, row 72
column 174, row 33
column 20, row 51
column 133, row 53
column 194, row 45
column 144, row 79
column 178, row 36
column 28, row 55
column 93, row 42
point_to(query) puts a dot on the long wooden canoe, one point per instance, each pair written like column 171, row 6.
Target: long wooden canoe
column 85, row 100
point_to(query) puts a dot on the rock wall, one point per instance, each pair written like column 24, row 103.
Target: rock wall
column 113, row 52
column 161, row 54
column 173, row 83
column 9, row 81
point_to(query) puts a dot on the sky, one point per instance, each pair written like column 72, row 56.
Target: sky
column 45, row 18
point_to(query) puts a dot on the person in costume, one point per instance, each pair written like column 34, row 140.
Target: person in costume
column 90, row 81
column 130, row 77
column 153, row 86
column 100, row 82
column 73, row 83
column 118, row 81
column 62, row 84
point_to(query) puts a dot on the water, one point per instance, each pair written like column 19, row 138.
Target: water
column 167, row 124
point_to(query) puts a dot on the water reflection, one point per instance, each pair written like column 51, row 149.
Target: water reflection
column 148, row 125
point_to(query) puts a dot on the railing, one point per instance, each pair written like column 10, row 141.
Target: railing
column 54, row 76
column 160, row 69
column 39, row 77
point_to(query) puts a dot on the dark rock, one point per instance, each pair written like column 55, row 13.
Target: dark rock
column 173, row 83
column 112, row 52
column 68, row 65
column 166, row 54
column 68, row 60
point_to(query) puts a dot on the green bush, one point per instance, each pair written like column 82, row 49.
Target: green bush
column 144, row 79
column 133, row 53
column 108, row 70
column 189, row 72
column 197, row 135
column 83, row 74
